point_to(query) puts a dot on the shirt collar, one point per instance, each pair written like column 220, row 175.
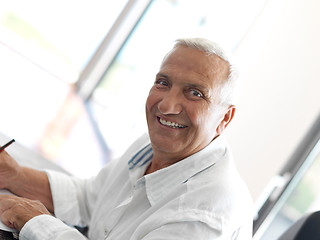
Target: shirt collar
column 139, row 162
column 159, row 183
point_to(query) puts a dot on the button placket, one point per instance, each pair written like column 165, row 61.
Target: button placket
column 106, row 232
column 116, row 215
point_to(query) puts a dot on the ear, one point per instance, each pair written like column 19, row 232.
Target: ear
column 226, row 119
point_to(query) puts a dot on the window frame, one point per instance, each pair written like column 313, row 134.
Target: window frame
column 94, row 71
column 298, row 163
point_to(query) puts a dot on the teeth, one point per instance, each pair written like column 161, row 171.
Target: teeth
column 171, row 124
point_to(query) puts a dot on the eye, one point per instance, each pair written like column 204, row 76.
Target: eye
column 196, row 93
column 162, row 82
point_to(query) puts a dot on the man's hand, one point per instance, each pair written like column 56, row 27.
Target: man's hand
column 16, row 211
column 9, row 170
column 25, row 182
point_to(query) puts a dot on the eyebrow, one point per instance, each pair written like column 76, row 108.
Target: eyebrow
column 162, row 75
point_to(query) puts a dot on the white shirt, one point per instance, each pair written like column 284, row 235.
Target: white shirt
column 200, row 197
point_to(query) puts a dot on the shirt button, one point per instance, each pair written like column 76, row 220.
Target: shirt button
column 106, row 232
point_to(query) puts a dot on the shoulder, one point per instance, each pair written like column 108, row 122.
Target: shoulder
column 222, row 204
column 221, row 187
column 221, row 193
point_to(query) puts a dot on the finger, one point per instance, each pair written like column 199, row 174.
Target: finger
column 6, row 202
column 7, row 196
column 7, row 217
column 16, row 211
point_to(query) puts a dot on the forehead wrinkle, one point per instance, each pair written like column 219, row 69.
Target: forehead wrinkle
column 215, row 68
column 214, row 71
column 220, row 70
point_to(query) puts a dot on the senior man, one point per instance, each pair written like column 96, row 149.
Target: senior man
column 177, row 182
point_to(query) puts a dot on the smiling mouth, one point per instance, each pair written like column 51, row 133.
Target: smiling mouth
column 170, row 124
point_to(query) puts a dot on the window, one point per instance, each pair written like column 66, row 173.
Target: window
column 299, row 192
column 59, row 36
column 44, row 47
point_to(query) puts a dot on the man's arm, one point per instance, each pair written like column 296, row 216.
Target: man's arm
column 33, row 221
column 25, row 182
column 33, row 184
column 16, row 211
column 28, row 211
column 54, row 230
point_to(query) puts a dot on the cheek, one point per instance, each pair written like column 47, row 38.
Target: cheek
column 203, row 119
column 152, row 99
column 198, row 114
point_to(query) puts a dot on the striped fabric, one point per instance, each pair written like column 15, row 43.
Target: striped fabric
column 141, row 157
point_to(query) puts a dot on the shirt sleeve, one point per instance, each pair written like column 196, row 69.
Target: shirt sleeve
column 68, row 201
column 74, row 198
column 190, row 230
column 45, row 227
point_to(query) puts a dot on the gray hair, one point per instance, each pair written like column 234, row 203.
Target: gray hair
column 227, row 90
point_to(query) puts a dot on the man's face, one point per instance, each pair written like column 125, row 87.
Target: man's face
column 181, row 109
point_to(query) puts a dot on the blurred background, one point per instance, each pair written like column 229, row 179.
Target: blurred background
column 74, row 76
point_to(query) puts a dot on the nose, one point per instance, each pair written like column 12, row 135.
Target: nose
column 171, row 103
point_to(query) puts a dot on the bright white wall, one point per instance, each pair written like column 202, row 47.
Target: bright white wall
column 281, row 94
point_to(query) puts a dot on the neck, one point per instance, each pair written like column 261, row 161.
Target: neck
column 160, row 161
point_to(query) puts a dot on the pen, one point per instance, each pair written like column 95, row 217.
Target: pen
column 6, row 145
